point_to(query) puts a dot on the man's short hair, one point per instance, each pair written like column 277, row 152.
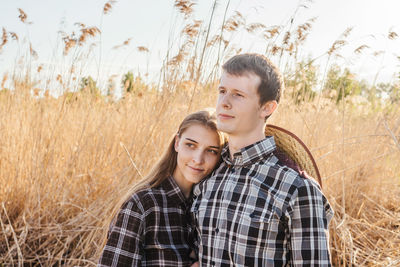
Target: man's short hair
column 271, row 85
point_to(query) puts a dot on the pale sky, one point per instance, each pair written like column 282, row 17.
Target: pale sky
column 149, row 22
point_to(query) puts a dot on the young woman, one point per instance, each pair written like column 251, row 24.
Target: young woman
column 153, row 227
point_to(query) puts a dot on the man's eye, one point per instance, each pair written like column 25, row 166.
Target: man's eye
column 236, row 94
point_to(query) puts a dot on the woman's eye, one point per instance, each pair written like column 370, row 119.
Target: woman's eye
column 213, row 151
column 189, row 145
column 238, row 95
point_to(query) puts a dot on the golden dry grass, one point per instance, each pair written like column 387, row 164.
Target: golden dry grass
column 63, row 166
column 65, row 162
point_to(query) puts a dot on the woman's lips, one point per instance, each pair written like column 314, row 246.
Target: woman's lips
column 196, row 169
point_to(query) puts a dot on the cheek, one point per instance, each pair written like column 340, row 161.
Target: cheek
column 211, row 161
column 218, row 101
column 181, row 156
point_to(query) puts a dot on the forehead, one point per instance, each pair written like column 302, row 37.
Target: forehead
column 201, row 134
column 247, row 81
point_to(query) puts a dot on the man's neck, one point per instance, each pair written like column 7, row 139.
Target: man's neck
column 236, row 143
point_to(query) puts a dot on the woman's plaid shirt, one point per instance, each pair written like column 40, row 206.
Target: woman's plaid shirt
column 153, row 228
column 254, row 212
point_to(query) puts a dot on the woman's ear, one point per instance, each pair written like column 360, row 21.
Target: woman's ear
column 268, row 108
column 176, row 146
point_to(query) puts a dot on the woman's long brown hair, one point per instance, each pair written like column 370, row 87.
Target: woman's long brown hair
column 166, row 165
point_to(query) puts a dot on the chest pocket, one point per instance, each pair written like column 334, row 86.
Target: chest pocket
column 259, row 226
column 262, row 218
column 265, row 224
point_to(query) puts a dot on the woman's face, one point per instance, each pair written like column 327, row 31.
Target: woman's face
column 198, row 150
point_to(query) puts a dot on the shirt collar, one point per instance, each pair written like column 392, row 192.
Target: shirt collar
column 250, row 154
column 173, row 191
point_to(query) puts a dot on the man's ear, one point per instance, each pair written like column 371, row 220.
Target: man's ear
column 268, row 108
column 176, row 143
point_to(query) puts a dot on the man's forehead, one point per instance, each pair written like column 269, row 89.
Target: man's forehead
column 248, row 74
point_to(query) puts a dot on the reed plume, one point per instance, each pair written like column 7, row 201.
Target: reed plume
column 392, row 35
column 4, row 39
column 108, row 6
column 185, row 7
column 22, row 16
column 359, row 49
column 143, row 49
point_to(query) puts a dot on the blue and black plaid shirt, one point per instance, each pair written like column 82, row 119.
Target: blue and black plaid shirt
column 253, row 211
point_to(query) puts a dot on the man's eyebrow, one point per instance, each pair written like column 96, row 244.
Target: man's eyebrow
column 238, row 90
column 233, row 89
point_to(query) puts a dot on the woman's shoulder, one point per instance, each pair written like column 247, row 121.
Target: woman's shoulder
column 143, row 198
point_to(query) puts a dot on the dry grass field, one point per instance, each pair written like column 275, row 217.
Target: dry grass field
column 65, row 161
column 64, row 164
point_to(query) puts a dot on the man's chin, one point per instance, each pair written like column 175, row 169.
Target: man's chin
column 224, row 129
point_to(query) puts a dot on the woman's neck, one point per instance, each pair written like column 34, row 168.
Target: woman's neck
column 184, row 185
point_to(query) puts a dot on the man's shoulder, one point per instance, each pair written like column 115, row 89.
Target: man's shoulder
column 274, row 169
column 267, row 172
column 283, row 181
column 293, row 174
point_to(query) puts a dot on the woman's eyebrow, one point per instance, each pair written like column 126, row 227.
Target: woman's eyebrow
column 194, row 141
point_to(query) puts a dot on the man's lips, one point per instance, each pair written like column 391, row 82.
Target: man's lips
column 225, row 116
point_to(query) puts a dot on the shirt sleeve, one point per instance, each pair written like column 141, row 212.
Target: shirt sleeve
column 309, row 217
column 124, row 245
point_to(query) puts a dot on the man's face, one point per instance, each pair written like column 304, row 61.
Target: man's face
column 238, row 109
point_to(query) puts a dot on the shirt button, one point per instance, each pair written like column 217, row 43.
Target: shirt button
column 216, row 230
column 213, row 263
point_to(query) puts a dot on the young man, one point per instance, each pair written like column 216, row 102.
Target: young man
column 253, row 211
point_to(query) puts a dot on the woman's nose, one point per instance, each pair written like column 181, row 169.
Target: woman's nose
column 198, row 157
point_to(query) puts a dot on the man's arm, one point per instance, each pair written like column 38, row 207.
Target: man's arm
column 309, row 215
column 124, row 244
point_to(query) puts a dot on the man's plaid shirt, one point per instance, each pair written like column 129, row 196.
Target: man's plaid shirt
column 254, row 212
column 153, row 228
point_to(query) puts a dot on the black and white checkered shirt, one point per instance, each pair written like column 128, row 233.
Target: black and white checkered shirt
column 253, row 211
column 153, row 228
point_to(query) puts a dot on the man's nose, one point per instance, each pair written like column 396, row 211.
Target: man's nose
column 225, row 101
